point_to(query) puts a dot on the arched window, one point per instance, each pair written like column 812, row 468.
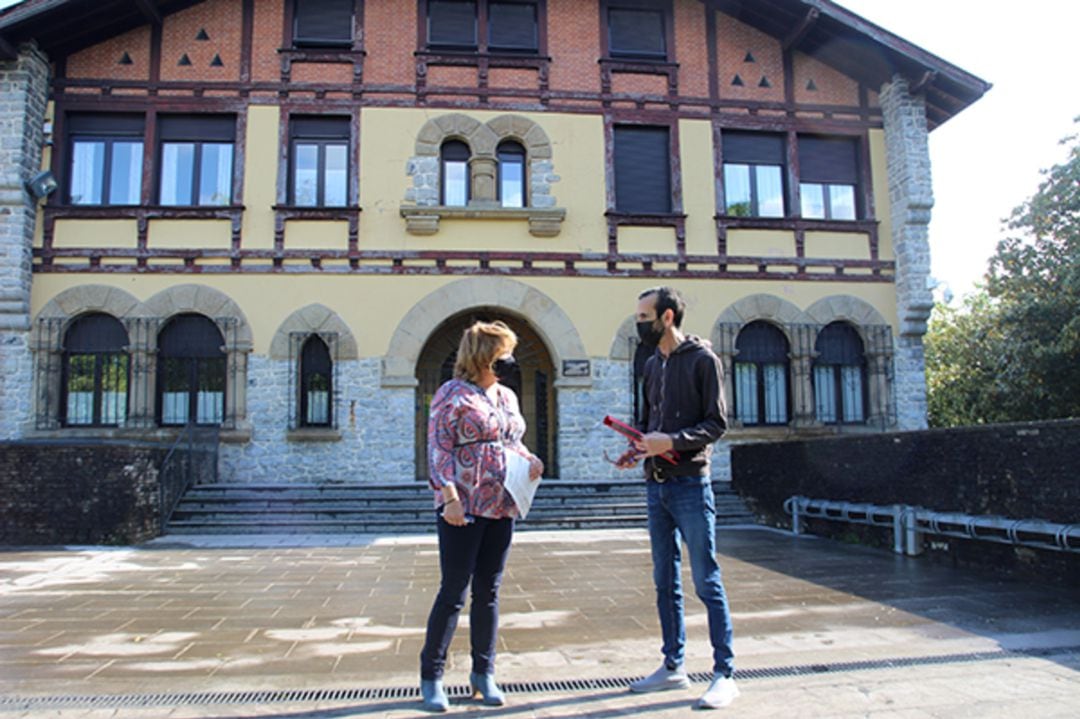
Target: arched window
column 839, row 375
column 761, row 375
column 316, row 383
column 511, row 174
column 191, row 372
column 455, row 173
column 95, row 372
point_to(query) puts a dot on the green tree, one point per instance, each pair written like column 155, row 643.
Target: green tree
column 1011, row 352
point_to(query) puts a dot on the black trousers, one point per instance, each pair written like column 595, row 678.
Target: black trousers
column 474, row 553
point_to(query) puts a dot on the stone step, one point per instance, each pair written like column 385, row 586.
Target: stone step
column 397, row 508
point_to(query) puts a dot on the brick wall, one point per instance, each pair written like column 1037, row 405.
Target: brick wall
column 67, row 493
column 1022, row 471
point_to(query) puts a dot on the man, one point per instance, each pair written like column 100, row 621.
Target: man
column 683, row 410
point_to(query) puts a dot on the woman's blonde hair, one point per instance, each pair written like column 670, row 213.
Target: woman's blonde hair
column 482, row 344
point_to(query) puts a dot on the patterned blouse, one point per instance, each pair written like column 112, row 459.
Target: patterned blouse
column 466, row 429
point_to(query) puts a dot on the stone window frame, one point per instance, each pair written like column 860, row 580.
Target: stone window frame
column 421, row 209
column 142, row 320
column 314, row 319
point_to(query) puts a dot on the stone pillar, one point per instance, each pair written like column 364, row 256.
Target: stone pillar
column 23, row 96
column 911, row 200
column 482, row 170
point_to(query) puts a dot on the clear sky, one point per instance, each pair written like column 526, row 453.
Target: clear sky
column 987, row 159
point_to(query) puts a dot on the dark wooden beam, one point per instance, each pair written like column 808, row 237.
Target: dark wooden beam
column 7, row 50
column 921, row 84
column 799, row 31
column 149, row 11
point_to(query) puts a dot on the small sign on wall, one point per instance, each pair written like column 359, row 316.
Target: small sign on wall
column 575, row 368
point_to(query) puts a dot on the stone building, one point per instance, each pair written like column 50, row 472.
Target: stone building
column 276, row 217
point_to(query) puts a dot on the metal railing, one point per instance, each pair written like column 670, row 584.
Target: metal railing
column 909, row 524
column 192, row 457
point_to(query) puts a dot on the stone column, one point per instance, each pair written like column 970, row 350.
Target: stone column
column 911, row 200
column 482, row 170
column 23, row 96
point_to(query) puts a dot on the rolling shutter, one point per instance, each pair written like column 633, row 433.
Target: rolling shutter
column 452, row 24
column 830, row 161
column 642, row 170
column 324, row 22
column 512, row 26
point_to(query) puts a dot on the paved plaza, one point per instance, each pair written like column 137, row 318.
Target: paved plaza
column 331, row 626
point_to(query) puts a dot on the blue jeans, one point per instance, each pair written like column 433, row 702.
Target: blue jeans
column 686, row 506
column 474, row 553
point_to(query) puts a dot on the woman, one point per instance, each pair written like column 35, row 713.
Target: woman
column 474, row 421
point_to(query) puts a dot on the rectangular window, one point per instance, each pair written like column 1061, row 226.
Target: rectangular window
column 513, row 27
column 106, row 159
column 753, row 174
column 196, row 159
column 320, row 161
column 642, row 158
column 452, row 24
column 637, row 29
column 323, row 23
column 828, row 178
column 746, row 394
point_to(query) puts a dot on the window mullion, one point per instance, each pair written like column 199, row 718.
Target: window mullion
column 106, row 180
column 196, row 173
column 755, row 209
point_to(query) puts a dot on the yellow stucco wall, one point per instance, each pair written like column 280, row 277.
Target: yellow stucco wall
column 388, row 139
column 261, row 175
column 373, row 306
column 100, row 233
column 880, row 174
column 698, row 186
column 189, row 234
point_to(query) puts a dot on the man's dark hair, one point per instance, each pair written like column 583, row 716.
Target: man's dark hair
column 667, row 298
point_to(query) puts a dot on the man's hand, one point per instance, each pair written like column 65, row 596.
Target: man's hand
column 654, row 443
column 628, row 459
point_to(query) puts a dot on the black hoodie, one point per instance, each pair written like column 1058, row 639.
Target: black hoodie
column 684, row 398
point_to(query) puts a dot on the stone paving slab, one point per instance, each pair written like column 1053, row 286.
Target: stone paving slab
column 203, row 614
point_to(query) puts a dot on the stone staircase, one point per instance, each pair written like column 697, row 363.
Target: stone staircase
column 407, row 508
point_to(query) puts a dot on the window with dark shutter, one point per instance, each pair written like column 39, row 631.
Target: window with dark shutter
column 196, row 159
column 106, row 153
column 191, row 372
column 319, row 161
column 828, row 178
column 642, row 170
column 753, row 174
column 637, row 30
column 512, row 26
column 452, row 24
column 325, row 23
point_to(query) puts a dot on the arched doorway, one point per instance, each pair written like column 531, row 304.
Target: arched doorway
column 535, row 387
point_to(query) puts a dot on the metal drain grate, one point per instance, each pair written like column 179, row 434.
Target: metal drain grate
column 300, row 696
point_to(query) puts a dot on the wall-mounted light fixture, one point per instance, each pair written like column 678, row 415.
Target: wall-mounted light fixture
column 41, row 185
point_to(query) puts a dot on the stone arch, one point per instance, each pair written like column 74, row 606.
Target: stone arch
column 528, row 133
column 75, row 301
column 779, row 311
column 314, row 319
column 551, row 323
column 478, row 136
column 835, row 308
column 207, row 301
column 625, row 338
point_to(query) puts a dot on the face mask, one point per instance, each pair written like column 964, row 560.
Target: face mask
column 504, row 367
column 648, row 334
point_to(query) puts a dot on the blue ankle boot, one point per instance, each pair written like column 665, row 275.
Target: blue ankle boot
column 484, row 685
column 431, row 690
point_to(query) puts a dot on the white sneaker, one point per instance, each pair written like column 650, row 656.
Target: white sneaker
column 721, row 692
column 661, row 680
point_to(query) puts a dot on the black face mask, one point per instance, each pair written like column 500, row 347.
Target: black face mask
column 504, row 368
column 648, row 334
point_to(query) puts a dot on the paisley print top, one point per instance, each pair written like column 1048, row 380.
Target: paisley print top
column 466, row 434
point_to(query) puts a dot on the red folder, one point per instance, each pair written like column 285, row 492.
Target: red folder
column 630, row 433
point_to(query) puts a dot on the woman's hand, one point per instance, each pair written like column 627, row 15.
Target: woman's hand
column 536, row 468
column 454, row 513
